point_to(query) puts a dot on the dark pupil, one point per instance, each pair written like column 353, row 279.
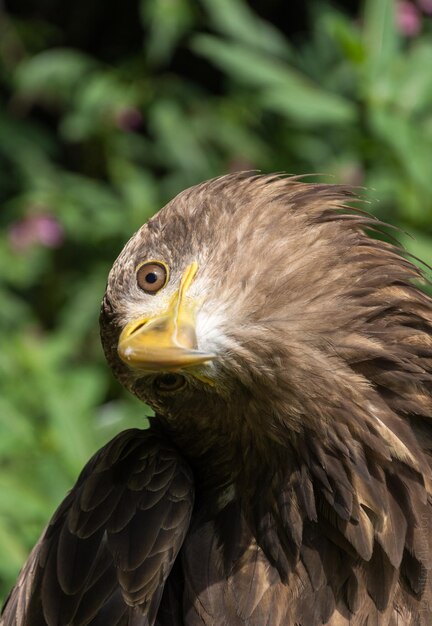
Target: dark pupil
column 151, row 277
column 168, row 380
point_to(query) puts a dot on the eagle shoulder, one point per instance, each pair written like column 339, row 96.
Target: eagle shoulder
column 109, row 548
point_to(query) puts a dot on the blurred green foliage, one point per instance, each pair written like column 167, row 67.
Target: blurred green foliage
column 88, row 151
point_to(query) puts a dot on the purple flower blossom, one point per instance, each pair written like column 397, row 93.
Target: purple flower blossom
column 42, row 229
column 128, row 118
column 408, row 18
column 425, row 6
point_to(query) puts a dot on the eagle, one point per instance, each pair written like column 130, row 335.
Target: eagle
column 285, row 478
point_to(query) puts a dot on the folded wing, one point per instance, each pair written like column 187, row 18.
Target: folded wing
column 109, row 548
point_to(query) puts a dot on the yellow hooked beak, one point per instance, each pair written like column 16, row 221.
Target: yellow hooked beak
column 167, row 341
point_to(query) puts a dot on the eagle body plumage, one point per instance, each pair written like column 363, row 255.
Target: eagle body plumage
column 285, row 479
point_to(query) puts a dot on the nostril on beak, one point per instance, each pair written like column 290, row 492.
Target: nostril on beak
column 138, row 327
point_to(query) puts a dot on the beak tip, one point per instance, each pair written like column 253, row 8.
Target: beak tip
column 125, row 352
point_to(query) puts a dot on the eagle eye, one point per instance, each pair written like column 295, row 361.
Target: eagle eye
column 152, row 276
column 169, row 382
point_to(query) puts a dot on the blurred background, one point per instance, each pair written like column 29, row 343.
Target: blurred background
column 108, row 109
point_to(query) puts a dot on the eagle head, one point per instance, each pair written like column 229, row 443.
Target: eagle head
column 258, row 309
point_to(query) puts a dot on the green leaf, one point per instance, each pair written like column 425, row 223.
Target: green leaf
column 137, row 188
column 236, row 20
column 15, row 429
column 346, row 34
column 177, row 138
column 53, row 74
column 413, row 85
column 279, row 87
column 79, row 314
column 85, row 201
column 20, row 497
column 12, row 550
column 411, row 147
column 303, row 104
column 69, row 400
column 168, row 21
column 381, row 39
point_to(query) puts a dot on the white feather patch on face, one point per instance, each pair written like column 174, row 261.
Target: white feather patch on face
column 141, row 305
column 211, row 319
column 210, row 331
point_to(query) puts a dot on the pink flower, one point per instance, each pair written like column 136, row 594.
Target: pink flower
column 408, row 18
column 42, row 229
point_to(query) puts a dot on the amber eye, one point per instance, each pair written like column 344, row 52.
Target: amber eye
column 152, row 276
column 169, row 382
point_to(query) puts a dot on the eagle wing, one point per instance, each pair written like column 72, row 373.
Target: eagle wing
column 106, row 554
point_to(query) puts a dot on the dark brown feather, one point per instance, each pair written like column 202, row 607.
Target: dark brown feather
column 110, row 546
